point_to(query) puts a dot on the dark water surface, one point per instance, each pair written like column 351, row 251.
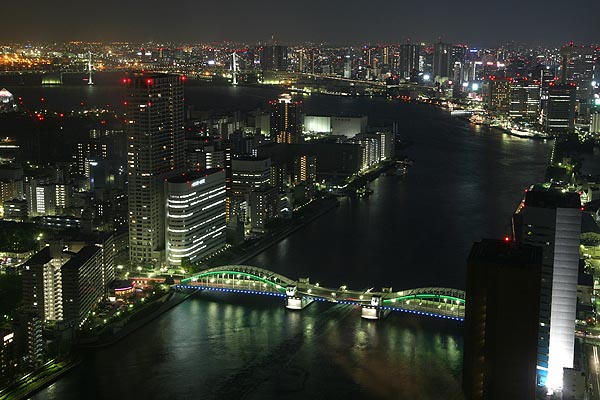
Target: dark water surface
column 413, row 232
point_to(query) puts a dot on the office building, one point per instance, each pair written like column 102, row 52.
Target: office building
column 559, row 112
column 501, row 328
column 195, row 215
column 409, row 60
column 155, row 134
column 499, row 94
column 442, row 56
column 274, row 58
column 577, row 66
column 248, row 174
column 551, row 219
column 524, row 99
column 15, row 210
column 285, row 120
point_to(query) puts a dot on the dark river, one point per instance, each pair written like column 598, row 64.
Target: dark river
column 413, row 232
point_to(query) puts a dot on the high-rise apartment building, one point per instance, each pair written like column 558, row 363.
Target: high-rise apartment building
column 285, row 120
column 551, row 220
column 501, row 329
column 155, row 134
column 61, row 285
column 195, row 215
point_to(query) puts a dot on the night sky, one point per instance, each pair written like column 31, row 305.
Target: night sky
column 548, row 22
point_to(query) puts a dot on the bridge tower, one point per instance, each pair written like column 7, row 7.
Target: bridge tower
column 90, row 81
column 374, row 310
column 234, row 68
column 293, row 301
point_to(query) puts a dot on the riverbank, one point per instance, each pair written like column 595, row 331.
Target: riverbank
column 121, row 329
column 39, row 379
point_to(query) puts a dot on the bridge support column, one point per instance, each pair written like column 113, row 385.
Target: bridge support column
column 295, row 302
column 374, row 310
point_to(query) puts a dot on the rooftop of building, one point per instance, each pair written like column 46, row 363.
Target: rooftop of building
column 193, row 175
column 81, row 257
column 250, row 158
column 40, row 258
column 551, row 197
column 505, row 252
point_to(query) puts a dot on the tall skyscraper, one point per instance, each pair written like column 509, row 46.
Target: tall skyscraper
column 274, row 58
column 248, row 174
column 577, row 66
column 559, row 110
column 155, row 134
column 195, row 215
column 442, row 56
column 409, row 59
column 499, row 94
column 525, row 99
column 501, row 328
column 285, row 120
column 551, row 220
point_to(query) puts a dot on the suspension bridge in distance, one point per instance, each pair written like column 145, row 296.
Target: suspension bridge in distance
column 430, row 301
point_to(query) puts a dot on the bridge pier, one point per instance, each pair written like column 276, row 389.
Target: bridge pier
column 374, row 310
column 295, row 302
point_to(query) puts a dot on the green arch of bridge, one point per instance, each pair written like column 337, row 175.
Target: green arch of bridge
column 426, row 297
column 246, row 274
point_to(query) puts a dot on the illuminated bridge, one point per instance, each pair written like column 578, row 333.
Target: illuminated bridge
column 430, row 301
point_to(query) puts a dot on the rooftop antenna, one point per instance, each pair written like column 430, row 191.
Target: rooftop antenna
column 90, row 81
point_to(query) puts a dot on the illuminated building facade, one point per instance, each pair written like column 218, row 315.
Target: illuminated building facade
column 274, row 58
column 559, row 111
column 195, row 215
column 499, row 95
column 155, row 133
column 524, row 99
column 501, row 330
column 577, row 66
column 285, row 120
column 62, row 285
column 247, row 174
column 551, row 220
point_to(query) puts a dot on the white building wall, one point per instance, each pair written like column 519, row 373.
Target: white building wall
column 564, row 294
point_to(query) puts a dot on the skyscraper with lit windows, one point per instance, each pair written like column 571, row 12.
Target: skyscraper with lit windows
column 285, row 120
column 155, row 141
column 195, row 215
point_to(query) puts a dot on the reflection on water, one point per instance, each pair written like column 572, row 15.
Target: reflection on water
column 411, row 232
column 221, row 346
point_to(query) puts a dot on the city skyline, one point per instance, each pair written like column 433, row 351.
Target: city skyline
column 334, row 22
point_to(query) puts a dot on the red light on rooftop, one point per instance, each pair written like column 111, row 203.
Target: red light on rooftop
column 582, row 208
column 507, row 239
column 183, row 78
column 149, row 81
